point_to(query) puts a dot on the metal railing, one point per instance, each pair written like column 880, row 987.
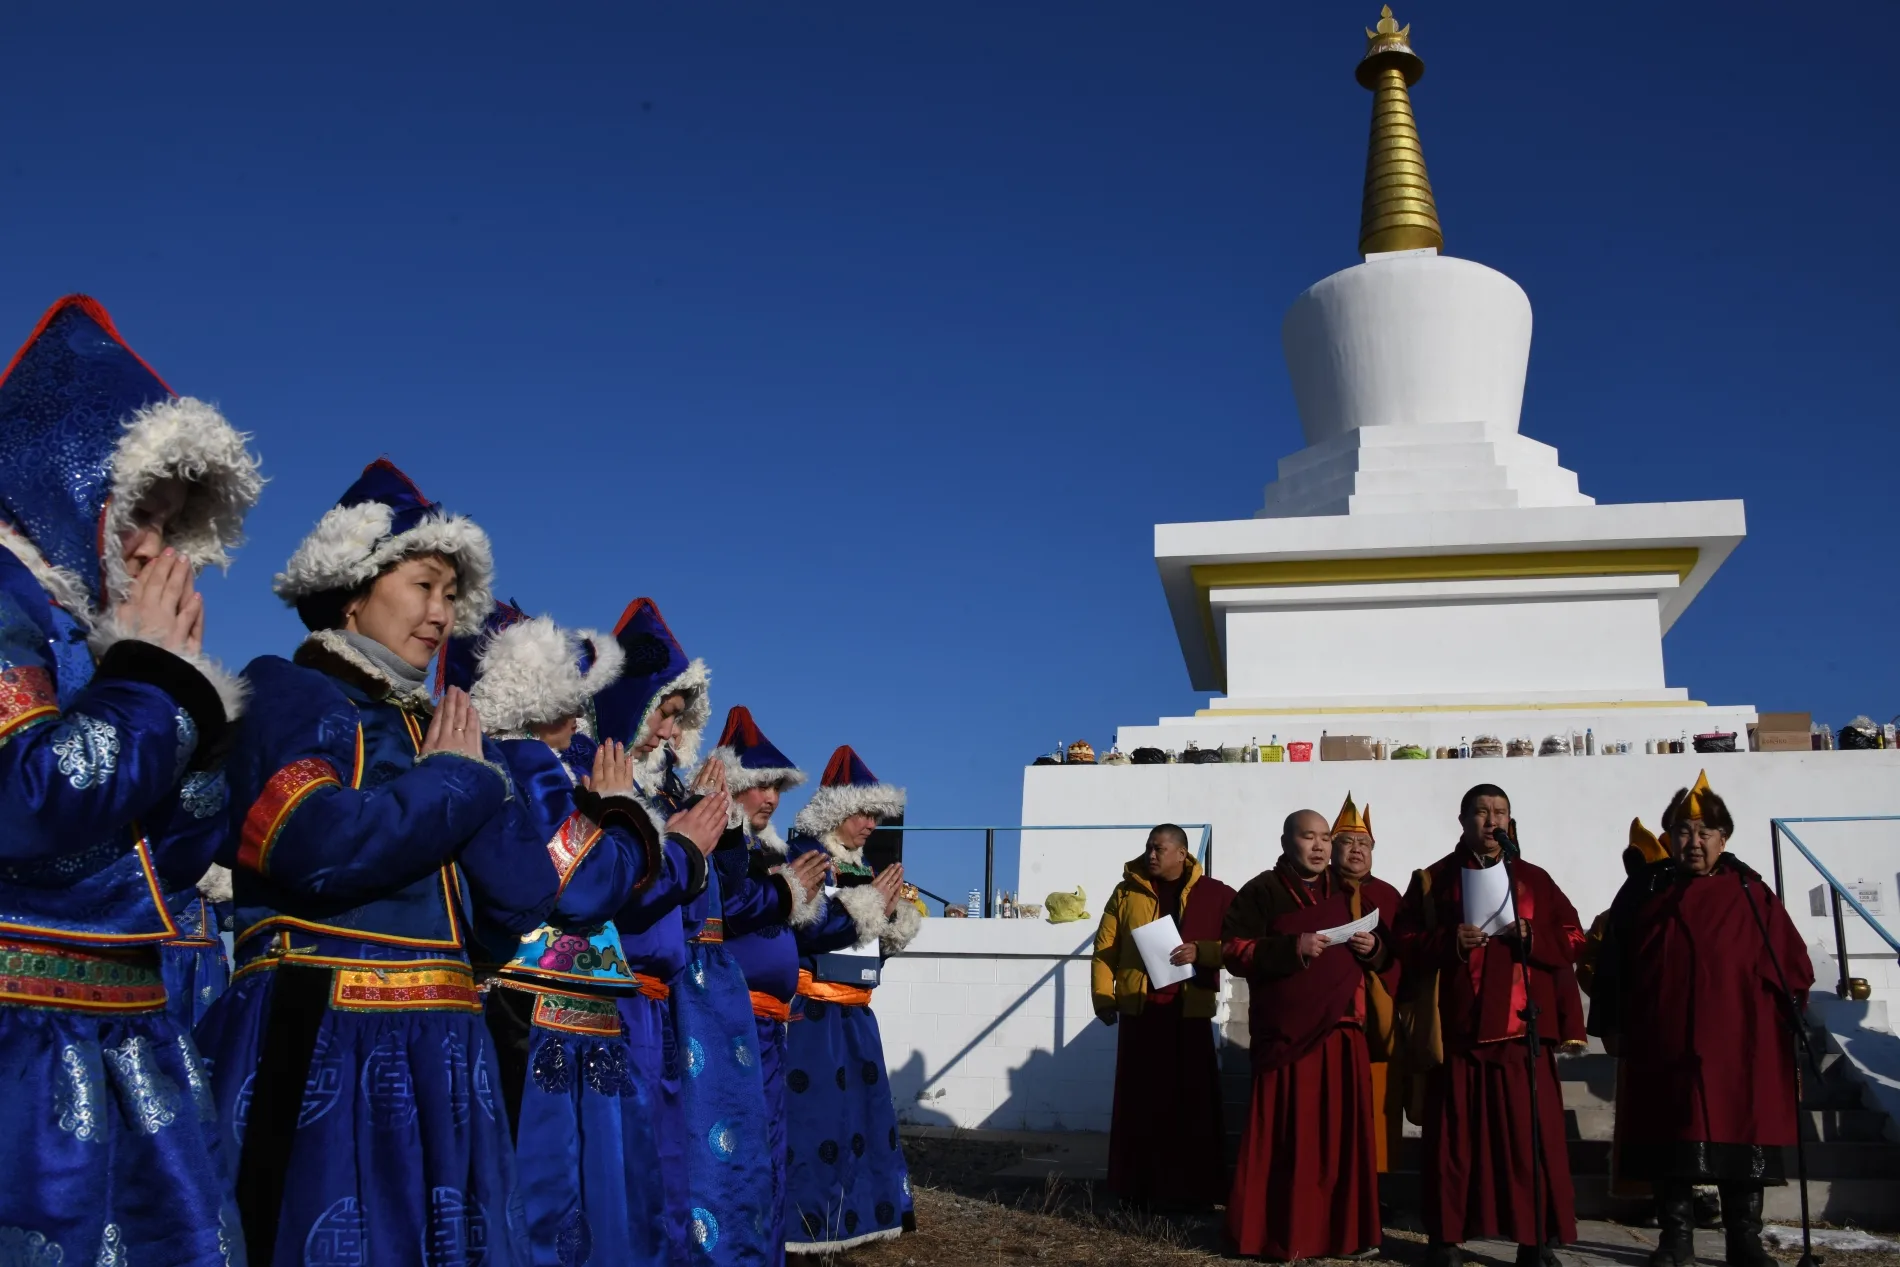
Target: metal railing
column 1837, row 892
column 989, row 845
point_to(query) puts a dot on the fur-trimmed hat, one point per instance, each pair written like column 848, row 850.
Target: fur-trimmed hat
column 523, row 671
column 656, row 667
column 86, row 429
column 380, row 520
column 847, row 787
column 752, row 760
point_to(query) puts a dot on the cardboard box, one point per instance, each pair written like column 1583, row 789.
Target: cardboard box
column 1781, row 732
column 1345, row 748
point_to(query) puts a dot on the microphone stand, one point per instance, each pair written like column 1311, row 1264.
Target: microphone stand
column 1807, row 1048
column 1533, row 1043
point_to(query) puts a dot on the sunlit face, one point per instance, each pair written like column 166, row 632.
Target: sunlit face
column 1486, row 815
column 1166, row 857
column 662, row 727
column 1352, row 854
column 857, row 829
column 1696, row 846
column 144, row 538
column 1308, row 842
column 557, row 735
column 409, row 609
column 758, row 804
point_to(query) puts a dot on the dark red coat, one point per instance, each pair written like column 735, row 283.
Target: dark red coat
column 1480, row 995
column 1689, row 996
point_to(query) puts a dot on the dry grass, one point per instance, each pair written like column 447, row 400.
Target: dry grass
column 969, row 1213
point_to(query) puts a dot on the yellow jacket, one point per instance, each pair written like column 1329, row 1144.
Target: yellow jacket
column 1116, row 979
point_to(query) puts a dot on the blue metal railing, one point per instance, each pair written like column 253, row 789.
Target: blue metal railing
column 989, row 845
column 1837, row 892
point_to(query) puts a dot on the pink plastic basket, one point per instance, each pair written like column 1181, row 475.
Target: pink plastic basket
column 1299, row 750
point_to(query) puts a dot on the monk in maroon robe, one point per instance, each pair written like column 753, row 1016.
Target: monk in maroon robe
column 1693, row 990
column 1478, row 1179
column 1166, row 1147
column 1352, row 864
column 1307, row 1183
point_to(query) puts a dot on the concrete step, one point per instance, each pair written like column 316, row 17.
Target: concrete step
column 1823, row 1125
column 1873, row 1204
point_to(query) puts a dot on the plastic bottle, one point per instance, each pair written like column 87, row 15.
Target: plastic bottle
column 1589, row 741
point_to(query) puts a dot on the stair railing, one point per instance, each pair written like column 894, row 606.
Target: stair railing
column 1837, row 892
column 989, row 846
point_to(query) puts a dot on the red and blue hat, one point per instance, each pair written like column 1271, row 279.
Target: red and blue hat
column 380, row 520
column 656, row 667
column 523, row 670
column 86, row 429
column 847, row 787
column 750, row 758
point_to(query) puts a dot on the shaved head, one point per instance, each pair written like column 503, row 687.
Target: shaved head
column 1306, row 839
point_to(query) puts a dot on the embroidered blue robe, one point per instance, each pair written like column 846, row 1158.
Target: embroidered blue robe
column 108, row 1135
column 846, row 1181
column 349, row 1057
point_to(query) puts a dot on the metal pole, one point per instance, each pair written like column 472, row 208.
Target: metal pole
column 989, row 872
column 1840, row 939
column 1781, row 890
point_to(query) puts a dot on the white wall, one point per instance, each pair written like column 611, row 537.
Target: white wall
column 1573, row 812
column 1449, row 649
column 987, row 1023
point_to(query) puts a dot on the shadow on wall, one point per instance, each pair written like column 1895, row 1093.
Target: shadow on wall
column 1058, row 1067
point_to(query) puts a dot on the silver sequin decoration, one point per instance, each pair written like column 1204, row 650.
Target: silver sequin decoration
column 187, row 730
column 20, row 1247
column 204, row 794
column 152, row 1099
column 76, row 1095
column 196, row 1079
column 88, row 750
column 111, row 1248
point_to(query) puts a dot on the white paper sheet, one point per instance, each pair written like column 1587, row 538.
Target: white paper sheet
column 1341, row 935
column 1156, row 940
column 1488, row 903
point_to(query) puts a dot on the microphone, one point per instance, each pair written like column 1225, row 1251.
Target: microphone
column 1505, row 843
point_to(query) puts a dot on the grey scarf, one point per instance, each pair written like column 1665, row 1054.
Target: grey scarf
column 399, row 670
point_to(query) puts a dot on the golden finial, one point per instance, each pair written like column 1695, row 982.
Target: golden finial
column 1398, row 213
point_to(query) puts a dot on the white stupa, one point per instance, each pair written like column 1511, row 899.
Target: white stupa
column 1422, row 569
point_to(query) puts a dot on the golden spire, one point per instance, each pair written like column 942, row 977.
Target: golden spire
column 1398, row 213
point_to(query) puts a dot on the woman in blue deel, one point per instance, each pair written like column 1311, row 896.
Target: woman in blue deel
column 113, row 493
column 372, row 829
column 846, row 1178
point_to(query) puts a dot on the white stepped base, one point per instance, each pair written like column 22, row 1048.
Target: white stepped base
column 1419, row 468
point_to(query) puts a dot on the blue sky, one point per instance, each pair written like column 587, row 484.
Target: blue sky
column 872, row 340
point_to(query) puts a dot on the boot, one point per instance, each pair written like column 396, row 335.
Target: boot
column 1741, row 1222
column 1537, row 1256
column 1675, row 1215
column 1444, row 1254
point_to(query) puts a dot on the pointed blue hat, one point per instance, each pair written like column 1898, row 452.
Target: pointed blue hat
column 524, row 671
column 86, row 429
column 380, row 520
column 750, row 758
column 847, row 787
column 656, row 667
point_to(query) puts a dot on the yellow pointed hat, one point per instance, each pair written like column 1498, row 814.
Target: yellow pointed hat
column 1644, row 843
column 1351, row 819
column 1692, row 804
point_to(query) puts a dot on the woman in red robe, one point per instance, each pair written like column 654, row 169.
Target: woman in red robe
column 1692, row 991
column 1468, row 991
column 1306, row 1184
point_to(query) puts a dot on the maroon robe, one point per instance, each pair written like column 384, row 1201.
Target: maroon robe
column 1166, row 1142
column 1688, row 994
column 1306, row 1184
column 1477, row 1138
